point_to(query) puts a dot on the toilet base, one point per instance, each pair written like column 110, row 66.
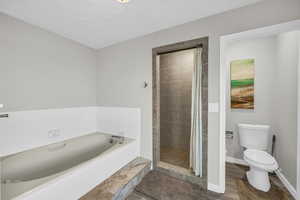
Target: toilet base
column 259, row 179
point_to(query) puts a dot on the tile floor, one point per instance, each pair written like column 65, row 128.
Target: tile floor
column 158, row 186
column 175, row 156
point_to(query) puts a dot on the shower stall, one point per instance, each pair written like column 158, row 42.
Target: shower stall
column 180, row 109
column 176, row 70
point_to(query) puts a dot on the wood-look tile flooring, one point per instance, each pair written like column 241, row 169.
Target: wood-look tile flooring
column 158, row 186
column 175, row 156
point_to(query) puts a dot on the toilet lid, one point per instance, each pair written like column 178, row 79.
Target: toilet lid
column 260, row 157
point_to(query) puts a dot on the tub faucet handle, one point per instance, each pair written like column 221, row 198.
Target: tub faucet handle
column 4, row 116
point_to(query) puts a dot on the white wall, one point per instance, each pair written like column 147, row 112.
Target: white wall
column 263, row 50
column 285, row 105
column 123, row 67
column 42, row 70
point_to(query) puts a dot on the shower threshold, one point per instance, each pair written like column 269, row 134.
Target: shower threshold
column 179, row 172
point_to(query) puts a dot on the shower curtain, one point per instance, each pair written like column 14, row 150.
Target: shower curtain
column 196, row 114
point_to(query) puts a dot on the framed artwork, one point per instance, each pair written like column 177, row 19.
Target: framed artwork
column 242, row 84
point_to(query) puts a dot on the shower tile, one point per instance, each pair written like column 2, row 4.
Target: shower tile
column 174, row 156
column 175, row 135
column 205, row 52
column 205, row 76
column 175, row 98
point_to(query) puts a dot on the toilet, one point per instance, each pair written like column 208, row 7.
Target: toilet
column 256, row 139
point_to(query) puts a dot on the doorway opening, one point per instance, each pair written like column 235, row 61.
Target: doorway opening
column 180, row 110
column 271, row 56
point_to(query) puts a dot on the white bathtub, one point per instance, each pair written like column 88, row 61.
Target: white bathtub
column 65, row 170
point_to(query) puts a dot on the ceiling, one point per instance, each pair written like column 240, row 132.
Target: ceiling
column 100, row 23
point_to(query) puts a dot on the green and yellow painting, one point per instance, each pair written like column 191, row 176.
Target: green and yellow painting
column 242, row 84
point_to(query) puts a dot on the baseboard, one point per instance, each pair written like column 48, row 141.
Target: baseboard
column 236, row 161
column 287, row 184
column 215, row 188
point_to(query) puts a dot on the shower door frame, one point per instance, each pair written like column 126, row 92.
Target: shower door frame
column 202, row 181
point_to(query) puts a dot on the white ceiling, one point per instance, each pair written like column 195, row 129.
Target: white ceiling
column 100, row 23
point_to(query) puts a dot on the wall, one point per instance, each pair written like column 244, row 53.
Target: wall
column 263, row 50
column 176, row 71
column 285, row 105
column 123, row 68
column 42, row 70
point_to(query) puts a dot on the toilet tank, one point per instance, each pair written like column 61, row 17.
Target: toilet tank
column 254, row 136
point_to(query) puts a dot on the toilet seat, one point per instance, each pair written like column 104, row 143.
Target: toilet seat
column 260, row 159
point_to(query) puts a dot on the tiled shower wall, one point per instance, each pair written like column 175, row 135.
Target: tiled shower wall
column 176, row 70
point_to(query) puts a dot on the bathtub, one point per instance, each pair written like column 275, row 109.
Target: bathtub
column 65, row 170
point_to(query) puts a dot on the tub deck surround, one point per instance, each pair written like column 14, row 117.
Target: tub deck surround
column 122, row 183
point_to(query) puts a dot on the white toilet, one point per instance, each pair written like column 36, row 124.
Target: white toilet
column 256, row 139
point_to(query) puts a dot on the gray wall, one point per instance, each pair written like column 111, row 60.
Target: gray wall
column 263, row 50
column 42, row 70
column 285, row 105
column 176, row 71
column 123, row 67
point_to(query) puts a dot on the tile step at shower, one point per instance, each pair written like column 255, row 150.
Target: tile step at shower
column 180, row 173
column 122, row 183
